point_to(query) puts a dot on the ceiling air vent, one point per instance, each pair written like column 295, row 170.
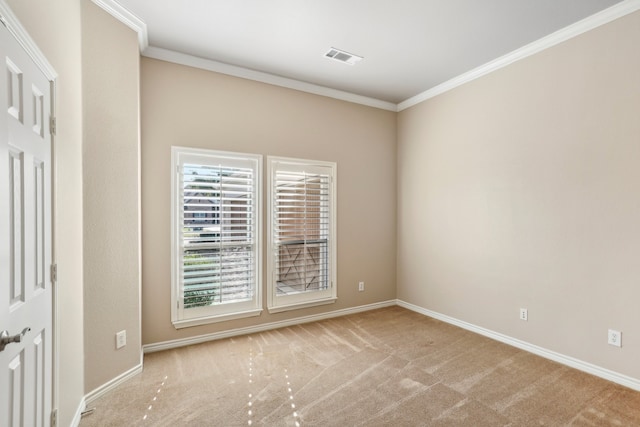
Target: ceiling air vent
column 342, row 56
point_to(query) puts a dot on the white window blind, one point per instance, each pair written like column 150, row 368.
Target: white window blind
column 302, row 233
column 216, row 235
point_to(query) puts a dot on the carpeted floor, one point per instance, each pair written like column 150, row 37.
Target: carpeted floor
column 388, row 367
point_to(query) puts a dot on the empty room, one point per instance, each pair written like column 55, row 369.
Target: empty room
column 320, row 213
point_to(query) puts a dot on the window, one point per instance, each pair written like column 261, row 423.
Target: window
column 301, row 233
column 216, row 217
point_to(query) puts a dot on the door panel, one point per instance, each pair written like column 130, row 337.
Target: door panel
column 16, row 231
column 16, row 380
column 25, row 238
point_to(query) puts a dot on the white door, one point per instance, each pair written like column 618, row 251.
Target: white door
column 25, row 238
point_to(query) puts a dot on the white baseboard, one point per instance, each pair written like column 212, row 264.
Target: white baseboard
column 75, row 422
column 98, row 392
column 598, row 371
column 166, row 345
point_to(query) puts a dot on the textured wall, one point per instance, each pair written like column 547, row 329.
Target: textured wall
column 111, row 76
column 195, row 108
column 522, row 189
column 55, row 27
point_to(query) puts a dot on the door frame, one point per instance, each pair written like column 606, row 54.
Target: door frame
column 11, row 22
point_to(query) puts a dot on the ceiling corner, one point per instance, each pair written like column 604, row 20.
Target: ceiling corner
column 123, row 15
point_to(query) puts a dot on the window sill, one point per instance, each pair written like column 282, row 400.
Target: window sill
column 299, row 305
column 186, row 323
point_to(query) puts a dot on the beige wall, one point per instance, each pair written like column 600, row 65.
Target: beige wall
column 55, row 27
column 190, row 107
column 111, row 75
column 522, row 189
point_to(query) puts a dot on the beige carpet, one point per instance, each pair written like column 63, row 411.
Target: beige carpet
column 388, row 367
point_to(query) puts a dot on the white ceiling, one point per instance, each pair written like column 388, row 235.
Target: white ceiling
column 409, row 46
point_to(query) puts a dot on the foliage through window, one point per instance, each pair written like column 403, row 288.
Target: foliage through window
column 216, row 236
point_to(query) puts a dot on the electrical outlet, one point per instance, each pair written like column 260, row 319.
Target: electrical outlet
column 524, row 314
column 121, row 339
column 360, row 286
column 615, row 338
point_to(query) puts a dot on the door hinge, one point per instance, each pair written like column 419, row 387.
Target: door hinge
column 54, row 272
column 54, row 418
column 52, row 125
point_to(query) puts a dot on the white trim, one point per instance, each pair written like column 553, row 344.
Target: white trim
column 601, row 18
column 181, row 317
column 75, row 422
column 581, row 365
column 187, row 323
column 275, row 303
column 129, row 19
column 299, row 305
column 604, row 17
column 55, row 380
column 259, row 76
column 123, row 15
column 167, row 345
column 110, row 385
column 22, row 36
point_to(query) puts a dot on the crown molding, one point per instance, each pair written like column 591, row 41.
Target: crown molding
column 123, row 15
column 604, row 17
column 129, row 19
column 14, row 26
column 259, row 76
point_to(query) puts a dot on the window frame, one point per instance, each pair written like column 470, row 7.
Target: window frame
column 185, row 317
column 279, row 303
